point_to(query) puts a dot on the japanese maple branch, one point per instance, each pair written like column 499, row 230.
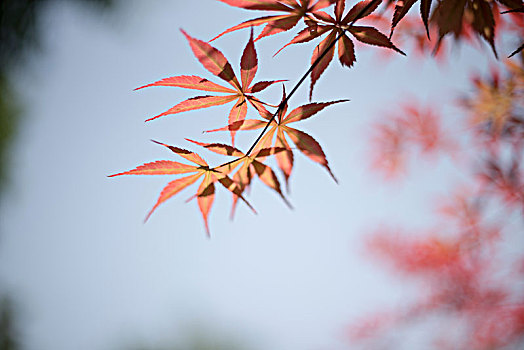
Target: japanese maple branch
column 303, row 78
column 313, row 65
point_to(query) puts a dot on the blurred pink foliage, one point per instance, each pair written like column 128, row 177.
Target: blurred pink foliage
column 468, row 271
column 414, row 129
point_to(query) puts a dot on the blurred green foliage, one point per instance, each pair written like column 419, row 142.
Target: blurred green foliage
column 19, row 35
column 8, row 331
column 199, row 339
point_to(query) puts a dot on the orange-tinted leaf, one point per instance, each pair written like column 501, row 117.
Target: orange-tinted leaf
column 220, row 148
column 282, row 107
column 189, row 82
column 307, row 111
column 248, row 63
column 265, row 5
column 233, row 207
column 191, row 156
column 324, row 61
column 284, row 159
column 261, row 85
column 246, row 124
column 305, row 35
column 160, row 167
column 228, row 167
column 279, row 25
column 213, row 60
column 310, row 147
column 237, row 114
column 268, row 151
column 244, row 176
column 234, row 188
column 371, row 36
column 197, row 102
column 259, row 106
column 205, row 198
column 267, row 175
column 173, row 188
column 251, row 23
column 265, row 141
column 276, row 24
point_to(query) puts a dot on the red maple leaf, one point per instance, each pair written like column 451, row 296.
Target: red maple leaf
column 250, row 165
column 206, row 191
column 294, row 10
column 402, row 8
column 280, row 126
column 214, row 61
column 334, row 28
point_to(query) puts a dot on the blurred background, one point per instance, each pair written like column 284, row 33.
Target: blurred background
column 78, row 267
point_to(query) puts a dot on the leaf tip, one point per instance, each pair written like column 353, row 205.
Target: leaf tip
column 333, row 176
column 289, row 205
column 149, row 214
column 152, row 118
column 400, row 51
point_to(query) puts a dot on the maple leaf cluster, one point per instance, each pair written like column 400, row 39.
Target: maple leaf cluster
column 318, row 23
column 235, row 175
column 333, row 24
column 461, row 259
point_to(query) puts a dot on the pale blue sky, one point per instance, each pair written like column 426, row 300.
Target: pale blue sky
column 89, row 274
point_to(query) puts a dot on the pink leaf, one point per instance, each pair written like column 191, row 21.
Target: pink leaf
column 212, row 60
column 248, row 63
column 197, row 102
column 189, row 82
column 160, row 167
column 324, row 61
column 173, row 188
